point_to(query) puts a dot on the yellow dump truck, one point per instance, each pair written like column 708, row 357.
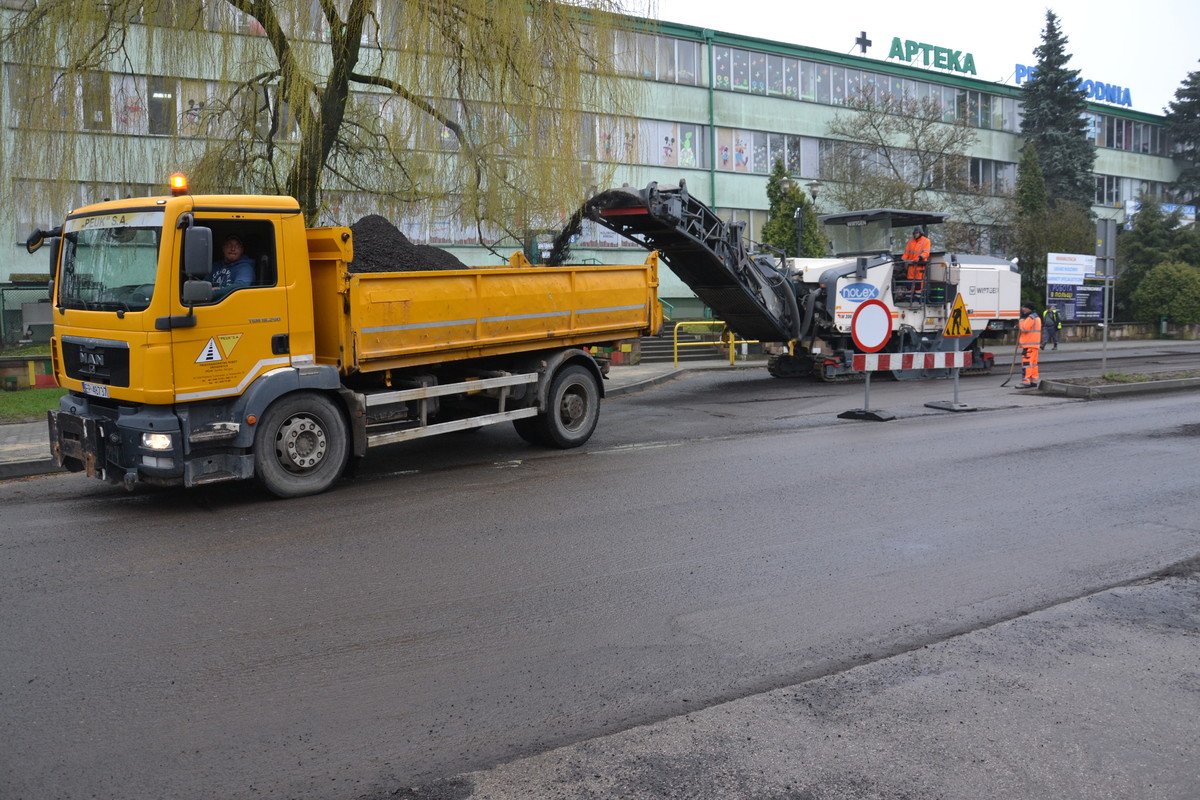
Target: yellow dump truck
column 285, row 375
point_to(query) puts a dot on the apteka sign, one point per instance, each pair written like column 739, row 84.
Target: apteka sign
column 933, row 55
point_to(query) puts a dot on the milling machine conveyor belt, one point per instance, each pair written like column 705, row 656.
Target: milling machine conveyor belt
column 707, row 254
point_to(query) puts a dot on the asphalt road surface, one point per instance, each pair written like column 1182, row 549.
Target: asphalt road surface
column 469, row 599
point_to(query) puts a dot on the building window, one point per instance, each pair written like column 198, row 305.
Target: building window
column 758, row 73
column 97, row 102
column 692, row 146
column 837, row 86
column 775, row 75
column 1107, row 190
column 687, row 62
column 808, row 81
column 666, row 59
column 129, row 104
column 791, row 78
column 722, row 67
column 163, row 106
column 823, row 82
column 741, row 70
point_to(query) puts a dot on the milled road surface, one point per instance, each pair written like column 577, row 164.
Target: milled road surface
column 411, row 625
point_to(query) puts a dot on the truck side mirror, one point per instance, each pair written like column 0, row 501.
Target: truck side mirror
column 34, row 242
column 197, row 253
column 195, row 292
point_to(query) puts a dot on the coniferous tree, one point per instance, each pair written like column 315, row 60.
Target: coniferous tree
column 1183, row 126
column 1042, row 229
column 1054, row 123
column 780, row 228
column 1032, row 214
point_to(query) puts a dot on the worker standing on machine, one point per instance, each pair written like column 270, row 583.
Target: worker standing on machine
column 916, row 257
column 1030, row 341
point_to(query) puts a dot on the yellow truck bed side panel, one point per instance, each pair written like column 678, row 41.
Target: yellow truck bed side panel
column 392, row 320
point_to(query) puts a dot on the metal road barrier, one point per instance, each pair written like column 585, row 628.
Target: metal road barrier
column 727, row 337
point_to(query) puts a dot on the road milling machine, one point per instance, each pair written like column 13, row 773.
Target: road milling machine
column 801, row 308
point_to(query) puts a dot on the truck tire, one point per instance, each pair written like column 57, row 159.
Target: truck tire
column 301, row 446
column 572, row 409
column 530, row 430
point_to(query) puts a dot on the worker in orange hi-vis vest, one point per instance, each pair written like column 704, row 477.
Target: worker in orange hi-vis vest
column 1030, row 341
column 916, row 257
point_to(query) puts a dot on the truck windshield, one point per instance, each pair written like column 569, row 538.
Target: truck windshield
column 110, row 261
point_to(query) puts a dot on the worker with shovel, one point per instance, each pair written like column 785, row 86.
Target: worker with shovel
column 1029, row 340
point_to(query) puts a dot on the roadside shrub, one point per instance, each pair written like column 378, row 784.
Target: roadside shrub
column 1169, row 290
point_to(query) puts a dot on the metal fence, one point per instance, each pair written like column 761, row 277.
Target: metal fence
column 13, row 323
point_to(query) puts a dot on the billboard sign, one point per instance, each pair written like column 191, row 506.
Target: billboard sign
column 1069, row 268
column 1077, row 303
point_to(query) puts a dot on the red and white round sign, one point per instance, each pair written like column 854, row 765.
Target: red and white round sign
column 871, row 326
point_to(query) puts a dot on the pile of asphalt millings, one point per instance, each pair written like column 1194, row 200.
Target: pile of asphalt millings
column 379, row 246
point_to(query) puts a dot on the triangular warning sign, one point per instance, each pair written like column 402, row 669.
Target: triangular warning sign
column 228, row 342
column 209, row 353
column 958, row 324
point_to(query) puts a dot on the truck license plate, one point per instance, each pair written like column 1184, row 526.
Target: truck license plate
column 95, row 389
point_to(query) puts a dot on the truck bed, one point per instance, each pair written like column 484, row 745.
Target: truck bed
column 393, row 320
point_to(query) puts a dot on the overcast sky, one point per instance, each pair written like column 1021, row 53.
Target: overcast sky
column 1146, row 46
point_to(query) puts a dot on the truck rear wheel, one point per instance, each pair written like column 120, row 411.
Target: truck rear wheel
column 301, row 446
column 572, row 409
column 530, row 429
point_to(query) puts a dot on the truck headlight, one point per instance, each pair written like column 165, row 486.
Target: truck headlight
column 156, row 441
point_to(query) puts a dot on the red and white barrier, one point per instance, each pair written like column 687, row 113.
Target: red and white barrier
column 871, row 362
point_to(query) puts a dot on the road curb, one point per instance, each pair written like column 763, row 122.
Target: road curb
column 1075, row 390
column 25, row 469
column 617, row 391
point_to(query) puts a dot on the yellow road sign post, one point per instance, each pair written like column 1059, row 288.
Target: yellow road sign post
column 958, row 326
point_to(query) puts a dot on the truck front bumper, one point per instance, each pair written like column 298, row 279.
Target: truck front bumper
column 116, row 444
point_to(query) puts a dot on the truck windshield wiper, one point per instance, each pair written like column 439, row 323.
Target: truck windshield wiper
column 74, row 302
column 120, row 306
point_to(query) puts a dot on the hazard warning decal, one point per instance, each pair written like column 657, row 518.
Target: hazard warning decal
column 210, row 353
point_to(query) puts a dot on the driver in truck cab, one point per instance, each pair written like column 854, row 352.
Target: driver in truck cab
column 234, row 269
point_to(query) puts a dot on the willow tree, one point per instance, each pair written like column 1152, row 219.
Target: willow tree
column 478, row 108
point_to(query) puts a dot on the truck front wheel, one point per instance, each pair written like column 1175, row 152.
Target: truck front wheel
column 572, row 409
column 301, row 446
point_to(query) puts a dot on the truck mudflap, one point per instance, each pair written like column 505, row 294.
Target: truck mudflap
column 76, row 443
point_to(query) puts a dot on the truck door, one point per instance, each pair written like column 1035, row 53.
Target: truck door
column 243, row 332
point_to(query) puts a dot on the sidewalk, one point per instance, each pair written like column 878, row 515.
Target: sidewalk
column 1092, row 698
column 24, row 449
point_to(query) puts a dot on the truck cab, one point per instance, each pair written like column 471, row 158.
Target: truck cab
column 143, row 338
